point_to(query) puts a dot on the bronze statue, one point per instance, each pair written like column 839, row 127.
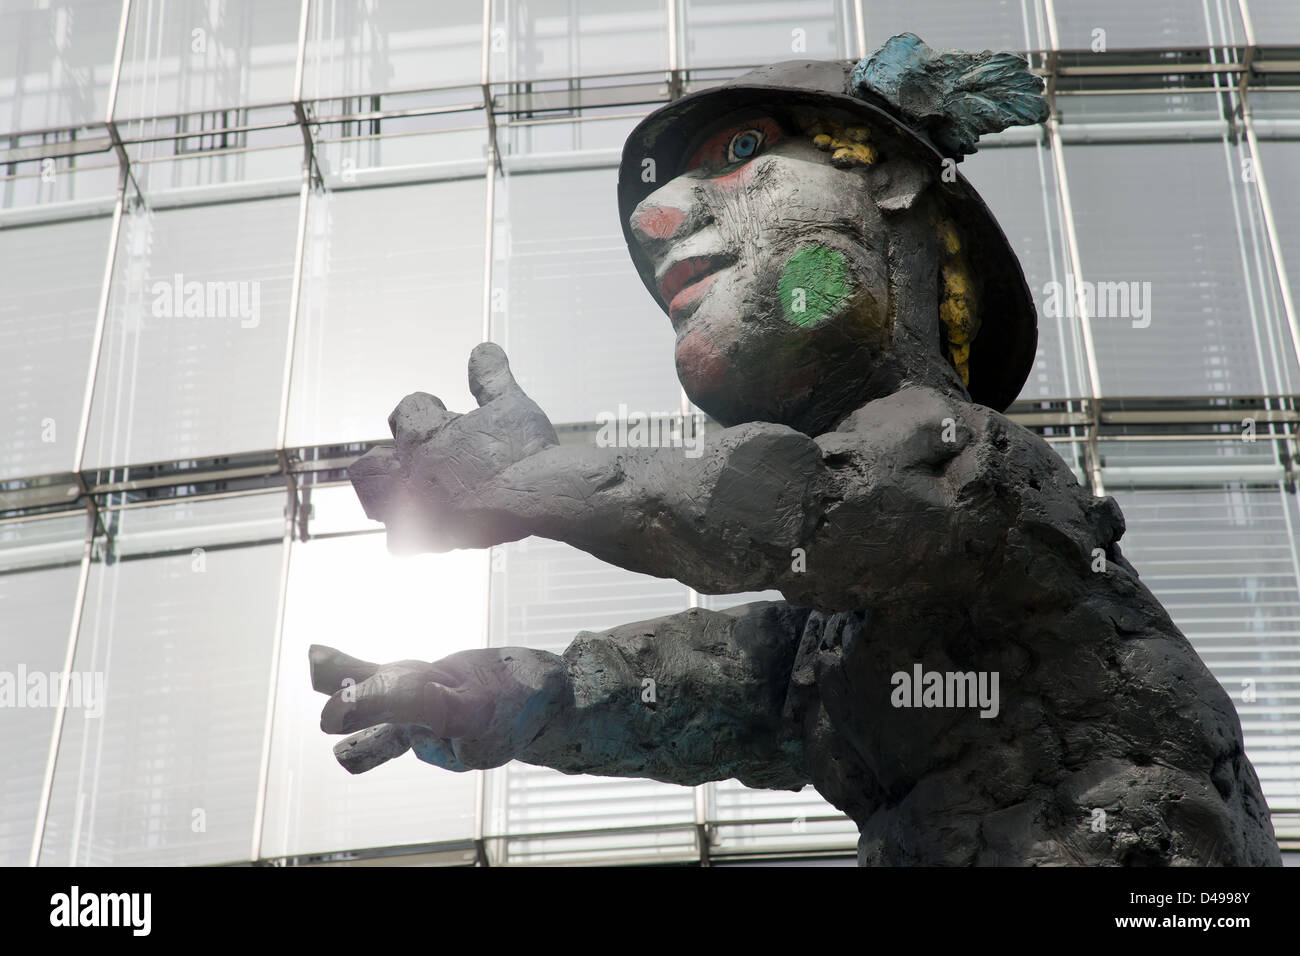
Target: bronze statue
column 965, row 663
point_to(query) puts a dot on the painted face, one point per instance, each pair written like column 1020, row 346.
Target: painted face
column 772, row 262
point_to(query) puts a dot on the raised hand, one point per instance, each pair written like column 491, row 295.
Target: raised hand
column 428, row 488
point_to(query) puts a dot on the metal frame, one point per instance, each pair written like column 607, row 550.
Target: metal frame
column 1086, row 420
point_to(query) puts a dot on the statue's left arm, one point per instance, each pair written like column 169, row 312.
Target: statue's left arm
column 691, row 697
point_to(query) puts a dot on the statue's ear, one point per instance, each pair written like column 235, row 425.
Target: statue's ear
column 896, row 185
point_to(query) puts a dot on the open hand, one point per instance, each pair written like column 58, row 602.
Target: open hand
column 471, row 710
column 428, row 488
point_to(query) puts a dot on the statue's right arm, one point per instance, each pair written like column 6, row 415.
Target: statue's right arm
column 905, row 500
column 915, row 497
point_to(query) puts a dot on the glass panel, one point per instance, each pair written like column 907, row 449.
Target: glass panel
column 756, row 32
column 350, row 593
column 958, row 24
column 601, row 133
column 185, row 56
column 1223, row 561
column 38, row 591
column 1019, row 185
column 64, row 186
column 1275, row 342
column 56, row 62
column 392, row 304
column 1179, row 461
column 543, row 594
column 1174, row 313
column 242, row 519
column 1280, row 162
column 47, row 321
column 1182, row 107
column 801, row 825
column 1154, row 24
column 211, row 150
column 1276, row 22
column 42, row 543
column 400, row 149
column 193, row 353
column 582, row 332
column 1276, row 112
column 355, row 49
column 167, row 773
column 335, row 509
column 536, row 39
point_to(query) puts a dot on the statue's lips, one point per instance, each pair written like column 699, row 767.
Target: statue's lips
column 686, row 281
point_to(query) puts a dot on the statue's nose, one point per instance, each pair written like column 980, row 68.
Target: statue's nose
column 657, row 221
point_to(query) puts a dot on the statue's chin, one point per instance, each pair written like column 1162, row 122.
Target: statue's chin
column 701, row 366
column 735, row 404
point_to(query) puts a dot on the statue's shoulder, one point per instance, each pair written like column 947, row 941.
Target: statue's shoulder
column 933, row 433
column 915, row 425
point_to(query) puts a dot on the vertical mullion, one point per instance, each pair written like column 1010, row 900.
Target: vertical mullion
column 860, row 22
column 1270, row 227
column 282, row 427
column 1076, row 265
column 489, row 213
column 69, row 661
column 83, row 431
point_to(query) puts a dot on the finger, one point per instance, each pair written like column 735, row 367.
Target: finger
column 371, row 747
column 376, row 477
column 489, row 373
column 330, row 668
column 375, row 700
column 416, row 419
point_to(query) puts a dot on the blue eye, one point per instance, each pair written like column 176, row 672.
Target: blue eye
column 744, row 145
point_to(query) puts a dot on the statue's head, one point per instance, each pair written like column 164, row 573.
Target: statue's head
column 813, row 248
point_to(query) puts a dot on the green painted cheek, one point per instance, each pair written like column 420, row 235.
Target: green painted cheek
column 814, row 285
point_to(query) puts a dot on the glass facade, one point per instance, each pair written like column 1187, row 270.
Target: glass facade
column 234, row 234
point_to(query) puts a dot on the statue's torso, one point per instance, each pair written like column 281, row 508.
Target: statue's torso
column 1006, row 580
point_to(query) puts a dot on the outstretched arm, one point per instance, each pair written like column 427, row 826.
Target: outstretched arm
column 687, row 698
column 915, row 496
column 723, row 522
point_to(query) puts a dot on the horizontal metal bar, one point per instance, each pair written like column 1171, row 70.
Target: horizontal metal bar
column 71, row 147
column 373, row 115
column 184, row 478
column 209, row 153
column 1039, row 419
column 1157, row 69
column 1209, row 416
column 595, row 90
column 274, row 489
column 215, row 131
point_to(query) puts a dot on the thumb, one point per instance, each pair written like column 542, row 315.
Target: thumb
column 489, row 373
column 371, row 747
